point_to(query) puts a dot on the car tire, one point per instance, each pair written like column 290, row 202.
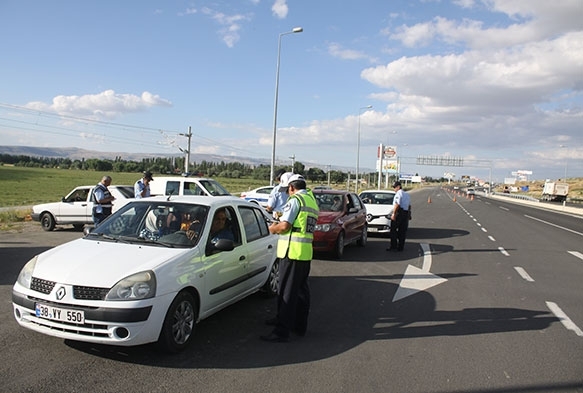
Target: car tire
column 47, row 222
column 179, row 324
column 339, row 246
column 271, row 286
column 363, row 237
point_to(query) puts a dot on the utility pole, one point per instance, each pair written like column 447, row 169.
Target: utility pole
column 293, row 158
column 187, row 151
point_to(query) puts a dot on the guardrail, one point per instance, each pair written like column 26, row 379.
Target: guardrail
column 516, row 196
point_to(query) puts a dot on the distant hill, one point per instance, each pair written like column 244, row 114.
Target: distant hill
column 78, row 154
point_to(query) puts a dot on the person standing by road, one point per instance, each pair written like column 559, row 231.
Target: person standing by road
column 277, row 198
column 102, row 200
column 294, row 248
column 399, row 218
column 142, row 186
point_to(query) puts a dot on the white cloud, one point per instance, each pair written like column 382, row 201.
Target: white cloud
column 280, row 9
column 231, row 25
column 107, row 104
column 336, row 50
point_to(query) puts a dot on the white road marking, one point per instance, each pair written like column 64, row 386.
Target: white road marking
column 484, row 230
column 554, row 225
column 503, row 251
column 565, row 320
column 576, row 254
column 504, row 208
column 523, row 274
column 415, row 279
column 491, row 238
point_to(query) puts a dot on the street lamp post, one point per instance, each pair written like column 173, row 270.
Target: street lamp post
column 272, row 173
column 358, row 147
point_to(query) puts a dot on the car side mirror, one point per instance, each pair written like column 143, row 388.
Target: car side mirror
column 219, row 245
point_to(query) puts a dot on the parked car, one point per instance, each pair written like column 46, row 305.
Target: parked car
column 379, row 207
column 470, row 191
column 76, row 208
column 175, row 185
column 338, row 227
column 139, row 278
column 258, row 195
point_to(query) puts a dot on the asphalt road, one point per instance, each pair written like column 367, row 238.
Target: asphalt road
column 499, row 310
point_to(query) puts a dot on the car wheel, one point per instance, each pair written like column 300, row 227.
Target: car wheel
column 339, row 249
column 179, row 324
column 47, row 222
column 271, row 286
column 363, row 237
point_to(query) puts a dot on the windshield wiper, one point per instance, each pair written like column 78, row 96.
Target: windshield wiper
column 108, row 237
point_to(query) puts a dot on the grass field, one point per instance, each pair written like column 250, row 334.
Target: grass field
column 30, row 186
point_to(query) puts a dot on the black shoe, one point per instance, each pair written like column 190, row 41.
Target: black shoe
column 274, row 338
column 271, row 321
column 391, row 249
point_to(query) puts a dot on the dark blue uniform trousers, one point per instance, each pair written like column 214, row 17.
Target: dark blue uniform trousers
column 293, row 301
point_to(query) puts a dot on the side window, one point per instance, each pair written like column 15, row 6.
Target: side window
column 192, row 189
column 355, row 201
column 78, row 196
column 252, row 225
column 172, row 188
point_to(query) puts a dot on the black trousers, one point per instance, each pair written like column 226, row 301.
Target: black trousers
column 293, row 300
column 399, row 230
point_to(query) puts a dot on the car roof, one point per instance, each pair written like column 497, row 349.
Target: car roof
column 197, row 199
column 379, row 191
column 330, row 191
column 181, row 178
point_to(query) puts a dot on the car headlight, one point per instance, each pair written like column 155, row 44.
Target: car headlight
column 25, row 276
column 326, row 227
column 135, row 287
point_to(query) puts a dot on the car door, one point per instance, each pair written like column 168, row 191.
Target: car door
column 355, row 217
column 224, row 270
column 260, row 244
column 76, row 207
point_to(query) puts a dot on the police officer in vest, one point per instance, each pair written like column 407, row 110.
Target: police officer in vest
column 294, row 249
column 102, row 200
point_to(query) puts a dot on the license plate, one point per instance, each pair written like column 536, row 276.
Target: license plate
column 372, row 229
column 59, row 314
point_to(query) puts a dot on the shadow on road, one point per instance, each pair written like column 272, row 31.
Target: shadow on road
column 346, row 312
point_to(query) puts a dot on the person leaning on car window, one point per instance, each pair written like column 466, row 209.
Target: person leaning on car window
column 294, row 248
column 102, row 200
column 142, row 186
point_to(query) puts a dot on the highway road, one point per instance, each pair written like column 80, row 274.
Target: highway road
column 486, row 297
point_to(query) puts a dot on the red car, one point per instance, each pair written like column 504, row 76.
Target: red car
column 342, row 220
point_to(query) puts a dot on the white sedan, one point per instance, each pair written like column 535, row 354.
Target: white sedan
column 379, row 207
column 258, row 195
column 77, row 207
column 149, row 273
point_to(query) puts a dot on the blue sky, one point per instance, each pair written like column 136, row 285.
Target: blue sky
column 488, row 81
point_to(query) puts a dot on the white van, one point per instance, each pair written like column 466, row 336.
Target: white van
column 174, row 185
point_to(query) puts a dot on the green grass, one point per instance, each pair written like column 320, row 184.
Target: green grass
column 21, row 186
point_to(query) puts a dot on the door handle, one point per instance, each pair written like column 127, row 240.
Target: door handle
column 242, row 258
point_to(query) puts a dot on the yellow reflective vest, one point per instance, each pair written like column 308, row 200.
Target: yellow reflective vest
column 297, row 242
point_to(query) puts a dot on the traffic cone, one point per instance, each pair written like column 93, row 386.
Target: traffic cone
column 429, row 199
column 454, row 198
column 472, row 198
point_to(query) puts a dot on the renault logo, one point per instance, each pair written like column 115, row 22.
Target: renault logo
column 61, row 293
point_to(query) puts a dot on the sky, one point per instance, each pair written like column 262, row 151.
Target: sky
column 495, row 84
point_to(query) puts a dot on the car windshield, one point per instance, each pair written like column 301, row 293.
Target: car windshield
column 330, row 202
column 377, row 198
column 156, row 223
column 214, row 187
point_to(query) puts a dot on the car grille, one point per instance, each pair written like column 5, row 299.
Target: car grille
column 42, row 286
column 79, row 292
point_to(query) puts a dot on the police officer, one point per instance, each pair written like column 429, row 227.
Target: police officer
column 278, row 198
column 294, row 248
column 142, row 186
column 102, row 200
column 399, row 218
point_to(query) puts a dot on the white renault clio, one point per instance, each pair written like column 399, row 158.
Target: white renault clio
column 149, row 272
